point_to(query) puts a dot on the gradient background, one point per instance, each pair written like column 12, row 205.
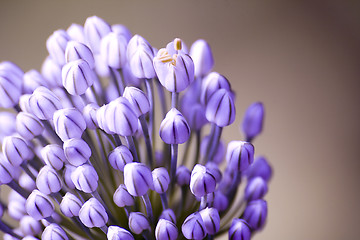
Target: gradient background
column 301, row 58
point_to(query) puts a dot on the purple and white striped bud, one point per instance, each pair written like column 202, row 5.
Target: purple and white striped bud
column 89, row 113
column 16, row 150
column 255, row 214
column 102, row 119
column 26, row 182
column 93, row 214
column 24, row 104
column 211, row 83
column 194, row 227
column 221, row 108
column 30, row 226
column 220, row 202
column 118, row 233
column 202, row 56
column 68, row 170
column 183, row 175
column 48, row 181
column 253, row 120
column 161, row 179
column 122, row 30
column 195, row 114
column 140, row 56
column 174, row 128
column 77, row 77
column 7, row 126
column 51, row 72
column 56, row 45
column 260, row 168
column 32, row 80
column 95, row 29
column 76, row 32
column 138, row 100
column 54, row 232
column 7, row 171
column 85, row 178
column 14, row 69
column 168, row 214
column 122, row 197
column 239, row 230
column 70, row 205
column 38, row 205
column 69, row 123
column 166, row 230
column 76, row 151
column 137, row 178
column 219, row 152
column 256, row 188
column 119, row 157
column 211, row 219
column 76, row 50
column 113, row 50
column 214, row 170
column 138, row 222
column 28, row 126
column 44, row 103
column 16, row 210
column 239, row 155
column 202, row 181
column 53, row 155
column 10, row 88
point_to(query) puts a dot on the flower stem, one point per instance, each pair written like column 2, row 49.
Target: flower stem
column 215, row 142
column 149, row 90
column 174, row 99
column 174, row 154
column 15, row 186
column 148, row 207
column 7, row 229
column 147, row 139
column 132, row 148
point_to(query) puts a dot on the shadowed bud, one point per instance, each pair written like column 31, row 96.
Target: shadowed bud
column 260, row 168
column 56, row 45
column 219, row 152
column 202, row 56
column 166, row 230
column 239, row 230
column 85, row 178
column 182, row 175
column 53, row 155
column 7, row 126
column 122, row 197
column 202, row 181
column 30, row 226
column 255, row 189
column 118, row 233
column 16, row 210
column 70, row 205
column 255, row 214
column 76, row 151
column 169, row 215
column 89, row 113
column 26, row 182
column 76, row 32
column 137, row 178
column 38, row 205
column 48, row 181
column 10, row 88
column 32, row 80
column 220, row 202
column 239, row 155
column 174, row 128
column 54, row 232
column 44, row 103
column 28, row 126
column 138, row 222
column 138, row 100
column 211, row 219
column 51, row 72
column 95, row 29
column 122, row 30
column 77, row 77
column 12, row 68
column 161, row 179
column 211, row 83
column 221, row 108
column 194, row 227
column 68, row 170
column 119, row 157
column 195, row 114
column 16, row 150
column 253, row 120
column 69, row 123
column 76, row 50
column 93, row 214
column 113, row 50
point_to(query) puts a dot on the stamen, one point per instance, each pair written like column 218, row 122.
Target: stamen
column 177, row 44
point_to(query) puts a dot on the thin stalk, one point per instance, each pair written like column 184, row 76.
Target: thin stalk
column 148, row 207
column 150, row 90
column 161, row 95
column 115, row 78
column 174, row 155
column 26, row 169
column 164, row 201
column 15, row 186
column 208, row 147
column 132, row 148
column 215, row 142
column 147, row 139
column 174, row 100
column 7, row 229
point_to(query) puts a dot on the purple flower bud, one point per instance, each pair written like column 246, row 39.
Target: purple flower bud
column 56, row 45
column 54, row 232
column 161, row 179
column 118, row 233
column 113, row 50
column 182, row 175
column 221, row 108
column 211, row 219
column 26, row 182
column 239, row 230
column 77, row 77
column 140, row 55
column 12, row 68
column 68, row 170
column 122, row 197
column 202, row 181
column 77, row 151
column 194, row 227
column 28, row 126
column 119, row 157
column 76, row 32
column 54, row 156
column 214, row 170
column 76, row 50
column 202, row 56
column 70, row 205
column 166, row 230
column 93, row 214
column 85, row 178
column 69, row 123
column 174, row 128
column 179, row 46
column 219, row 152
column 44, row 103
column 253, row 120
column 137, row 178
column 38, row 205
column 138, row 100
column 220, row 202
column 239, row 155
column 51, row 72
column 138, row 222
column 89, row 113
column 16, row 210
column 195, row 114
column 6, row 171
column 122, row 30
column 211, row 83
column 32, row 80
column 256, row 213
column 10, row 88
column 102, row 120
column 48, row 181
column 56, row 217
column 7, row 126
column 255, row 189
column 16, row 150
column 30, row 226
column 95, row 29
column 130, row 79
column 260, row 168
column 169, row 215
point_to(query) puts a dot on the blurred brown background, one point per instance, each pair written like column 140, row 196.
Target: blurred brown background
column 301, row 58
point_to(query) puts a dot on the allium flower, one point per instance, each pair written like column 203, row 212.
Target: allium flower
column 86, row 158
